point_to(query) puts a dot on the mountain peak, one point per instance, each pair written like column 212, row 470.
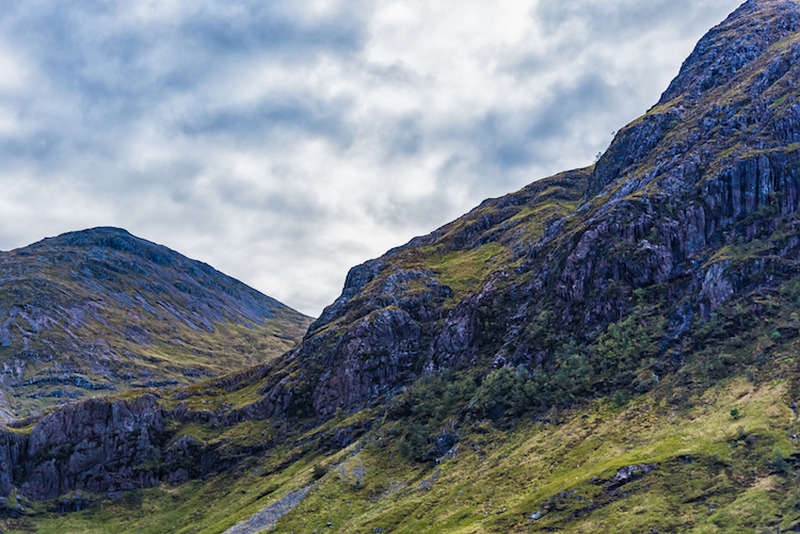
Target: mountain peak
column 88, row 236
column 732, row 45
column 111, row 238
column 99, row 232
column 734, row 96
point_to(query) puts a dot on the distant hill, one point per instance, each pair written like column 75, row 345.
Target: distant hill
column 101, row 311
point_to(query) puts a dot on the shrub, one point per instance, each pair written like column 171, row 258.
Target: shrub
column 318, row 472
column 779, row 463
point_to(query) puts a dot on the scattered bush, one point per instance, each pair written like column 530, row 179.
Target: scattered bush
column 318, row 472
column 779, row 464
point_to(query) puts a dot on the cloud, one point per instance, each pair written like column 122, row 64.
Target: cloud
column 284, row 142
column 274, row 121
column 611, row 22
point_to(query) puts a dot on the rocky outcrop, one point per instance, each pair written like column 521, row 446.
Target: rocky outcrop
column 102, row 447
column 266, row 518
column 97, row 446
column 733, row 45
column 388, row 332
column 768, row 181
column 13, row 448
column 376, row 350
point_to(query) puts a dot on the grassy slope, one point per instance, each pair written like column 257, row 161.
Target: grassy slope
column 190, row 355
column 465, row 268
column 714, row 473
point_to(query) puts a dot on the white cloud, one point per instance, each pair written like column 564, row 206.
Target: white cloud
column 284, row 142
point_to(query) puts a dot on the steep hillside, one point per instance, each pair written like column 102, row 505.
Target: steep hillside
column 97, row 311
column 613, row 349
column 694, row 202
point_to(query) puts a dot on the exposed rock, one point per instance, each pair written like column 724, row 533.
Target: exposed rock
column 73, row 502
column 266, row 518
column 629, row 474
column 428, row 482
column 97, row 446
column 716, row 287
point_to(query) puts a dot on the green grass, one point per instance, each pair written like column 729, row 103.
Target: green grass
column 499, row 478
column 464, row 270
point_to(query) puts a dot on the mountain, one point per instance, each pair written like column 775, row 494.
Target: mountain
column 612, row 349
column 692, row 203
column 92, row 312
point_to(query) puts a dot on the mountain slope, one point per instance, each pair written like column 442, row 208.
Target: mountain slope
column 613, row 349
column 659, row 228
column 100, row 310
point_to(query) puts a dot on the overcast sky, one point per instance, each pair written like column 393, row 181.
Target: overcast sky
column 285, row 141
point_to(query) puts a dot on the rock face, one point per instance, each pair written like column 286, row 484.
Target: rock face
column 98, row 446
column 711, row 169
column 100, row 310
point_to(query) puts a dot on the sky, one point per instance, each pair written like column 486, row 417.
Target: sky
column 283, row 142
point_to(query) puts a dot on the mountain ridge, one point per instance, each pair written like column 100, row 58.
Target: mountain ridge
column 666, row 154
